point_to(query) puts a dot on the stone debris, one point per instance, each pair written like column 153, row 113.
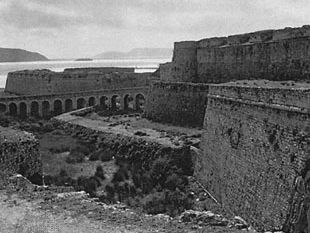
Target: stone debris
column 20, row 183
column 75, row 195
column 208, row 218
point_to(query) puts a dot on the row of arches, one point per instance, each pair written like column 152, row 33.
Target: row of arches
column 48, row 108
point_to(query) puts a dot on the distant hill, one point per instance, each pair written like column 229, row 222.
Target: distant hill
column 137, row 53
column 19, row 55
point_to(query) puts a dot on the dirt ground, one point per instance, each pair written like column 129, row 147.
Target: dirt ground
column 48, row 212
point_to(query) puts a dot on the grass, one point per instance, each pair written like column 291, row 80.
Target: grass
column 55, row 148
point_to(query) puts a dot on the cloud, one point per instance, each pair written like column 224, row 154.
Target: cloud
column 22, row 16
column 68, row 28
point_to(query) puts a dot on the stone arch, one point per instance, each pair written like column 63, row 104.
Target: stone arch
column 34, row 109
column 23, row 110
column 2, row 108
column 13, row 109
column 57, row 107
column 81, row 103
column 68, row 105
column 46, row 111
column 91, row 101
column 115, row 102
column 128, row 102
column 139, row 101
column 104, row 102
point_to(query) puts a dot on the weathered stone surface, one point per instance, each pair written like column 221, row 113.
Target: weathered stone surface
column 256, row 142
column 46, row 82
column 177, row 103
column 271, row 54
column 19, row 153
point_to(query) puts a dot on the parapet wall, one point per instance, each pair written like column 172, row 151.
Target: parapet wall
column 255, row 143
column 19, row 153
column 177, row 103
column 101, row 69
column 271, row 54
column 46, row 82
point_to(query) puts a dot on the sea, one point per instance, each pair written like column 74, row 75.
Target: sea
column 140, row 65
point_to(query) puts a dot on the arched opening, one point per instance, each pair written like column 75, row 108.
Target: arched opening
column 140, row 102
column 81, row 103
column 91, row 101
column 2, row 108
column 115, row 102
column 57, row 107
column 34, row 109
column 128, row 103
column 45, row 109
column 104, row 102
column 12, row 109
column 68, row 105
column 23, row 110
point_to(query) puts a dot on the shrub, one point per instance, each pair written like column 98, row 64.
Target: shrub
column 104, row 155
column 154, row 203
column 107, row 155
column 95, row 156
column 166, row 201
column 59, row 149
column 75, row 156
column 90, row 186
column 100, row 173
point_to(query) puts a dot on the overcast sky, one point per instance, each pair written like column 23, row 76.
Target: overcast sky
column 84, row 28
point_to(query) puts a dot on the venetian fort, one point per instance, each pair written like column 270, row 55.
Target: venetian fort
column 249, row 93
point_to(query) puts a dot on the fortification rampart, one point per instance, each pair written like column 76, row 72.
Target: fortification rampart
column 177, row 103
column 271, row 54
column 101, row 70
column 19, row 153
column 46, row 82
column 253, row 149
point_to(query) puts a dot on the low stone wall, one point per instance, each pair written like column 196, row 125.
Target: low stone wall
column 19, row 153
column 254, row 149
column 177, row 103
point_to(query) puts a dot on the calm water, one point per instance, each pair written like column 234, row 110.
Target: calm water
column 148, row 65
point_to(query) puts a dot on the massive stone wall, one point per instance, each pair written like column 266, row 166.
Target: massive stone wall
column 19, row 153
column 272, row 54
column 46, row 82
column 177, row 103
column 256, row 142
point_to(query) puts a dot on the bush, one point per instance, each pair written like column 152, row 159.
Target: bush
column 75, row 156
column 62, row 179
column 59, row 149
column 104, row 155
column 154, row 203
column 100, row 173
column 166, row 201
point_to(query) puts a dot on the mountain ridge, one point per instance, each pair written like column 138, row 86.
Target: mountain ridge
column 20, row 55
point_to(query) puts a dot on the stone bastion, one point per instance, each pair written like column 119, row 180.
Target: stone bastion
column 270, row 54
column 251, row 95
column 256, row 141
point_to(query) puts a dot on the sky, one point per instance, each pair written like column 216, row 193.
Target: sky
column 85, row 28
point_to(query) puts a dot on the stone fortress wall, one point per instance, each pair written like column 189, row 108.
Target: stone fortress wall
column 271, row 54
column 19, row 153
column 188, row 100
column 46, row 93
column 255, row 143
column 256, row 136
column 46, row 82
